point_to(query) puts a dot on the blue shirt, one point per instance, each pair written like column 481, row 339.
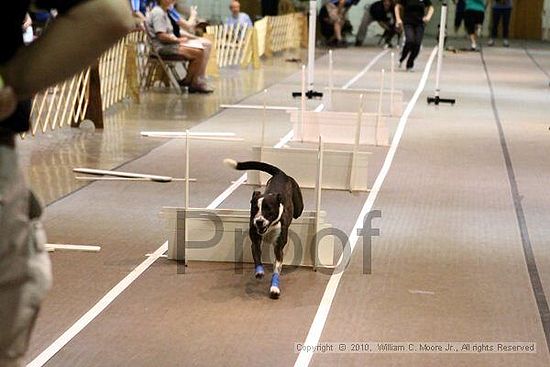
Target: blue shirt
column 173, row 13
column 242, row 18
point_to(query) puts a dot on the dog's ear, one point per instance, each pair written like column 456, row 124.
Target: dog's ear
column 255, row 196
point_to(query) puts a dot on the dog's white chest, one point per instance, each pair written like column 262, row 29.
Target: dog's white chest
column 272, row 234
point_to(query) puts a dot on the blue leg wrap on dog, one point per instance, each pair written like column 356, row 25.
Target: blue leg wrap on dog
column 275, row 280
column 259, row 269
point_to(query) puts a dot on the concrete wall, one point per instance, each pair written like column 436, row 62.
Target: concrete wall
column 213, row 10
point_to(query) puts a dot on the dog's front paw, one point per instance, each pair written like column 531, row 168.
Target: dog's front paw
column 274, row 291
column 259, row 272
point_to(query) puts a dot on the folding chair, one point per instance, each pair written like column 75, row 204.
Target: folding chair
column 167, row 63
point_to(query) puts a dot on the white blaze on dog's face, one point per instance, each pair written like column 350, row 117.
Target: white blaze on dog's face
column 267, row 211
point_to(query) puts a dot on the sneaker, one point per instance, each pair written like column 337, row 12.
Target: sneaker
column 473, row 47
column 505, row 43
column 491, row 42
column 200, row 88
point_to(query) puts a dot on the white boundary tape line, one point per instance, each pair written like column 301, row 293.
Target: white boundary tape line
column 318, row 324
column 99, row 307
column 365, row 69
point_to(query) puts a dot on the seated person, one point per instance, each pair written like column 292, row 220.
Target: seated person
column 237, row 17
column 166, row 43
column 186, row 28
column 382, row 12
column 333, row 16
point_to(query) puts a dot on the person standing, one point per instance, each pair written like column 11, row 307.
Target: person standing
column 60, row 52
column 501, row 11
column 474, row 15
column 459, row 14
column 412, row 16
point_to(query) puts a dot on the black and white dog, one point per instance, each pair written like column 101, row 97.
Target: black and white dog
column 270, row 216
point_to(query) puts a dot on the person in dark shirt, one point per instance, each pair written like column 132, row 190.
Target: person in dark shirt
column 60, row 52
column 501, row 12
column 412, row 16
column 382, row 12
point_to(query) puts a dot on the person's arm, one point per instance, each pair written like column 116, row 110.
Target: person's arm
column 397, row 10
column 27, row 22
column 190, row 23
column 429, row 14
column 73, row 41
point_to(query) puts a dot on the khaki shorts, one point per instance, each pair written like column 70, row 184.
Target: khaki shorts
column 25, row 270
column 335, row 14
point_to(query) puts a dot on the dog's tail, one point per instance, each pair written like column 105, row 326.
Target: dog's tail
column 253, row 165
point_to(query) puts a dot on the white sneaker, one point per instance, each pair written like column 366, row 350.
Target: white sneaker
column 505, row 43
column 491, row 42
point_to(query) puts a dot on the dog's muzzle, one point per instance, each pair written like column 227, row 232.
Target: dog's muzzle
column 261, row 226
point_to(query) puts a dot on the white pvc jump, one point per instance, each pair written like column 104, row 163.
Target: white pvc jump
column 51, row 247
column 300, row 163
column 338, row 125
column 123, row 176
column 258, row 107
column 186, row 225
column 389, row 104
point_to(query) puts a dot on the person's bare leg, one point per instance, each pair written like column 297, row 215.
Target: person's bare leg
column 338, row 30
column 194, row 55
column 473, row 40
column 205, row 55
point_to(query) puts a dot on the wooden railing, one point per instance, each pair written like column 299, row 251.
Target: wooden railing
column 71, row 101
column 234, row 45
column 230, row 43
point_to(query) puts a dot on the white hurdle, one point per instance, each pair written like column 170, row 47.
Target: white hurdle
column 187, row 227
column 302, row 104
column 330, row 80
column 392, row 83
column 123, row 176
column 52, row 247
column 356, row 145
column 336, row 96
column 379, row 112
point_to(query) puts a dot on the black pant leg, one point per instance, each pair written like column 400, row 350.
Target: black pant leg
column 506, row 14
column 409, row 41
column 496, row 19
column 418, row 31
